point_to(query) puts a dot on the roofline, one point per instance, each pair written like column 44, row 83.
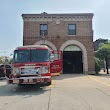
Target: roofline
column 59, row 14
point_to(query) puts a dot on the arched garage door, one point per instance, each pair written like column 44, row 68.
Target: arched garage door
column 72, row 60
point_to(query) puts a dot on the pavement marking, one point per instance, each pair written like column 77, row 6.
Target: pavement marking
column 99, row 81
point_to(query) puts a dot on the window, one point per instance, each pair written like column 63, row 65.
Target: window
column 72, row 29
column 40, row 55
column 43, row 29
column 21, row 56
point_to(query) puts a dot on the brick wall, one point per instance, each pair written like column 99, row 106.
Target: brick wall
column 58, row 34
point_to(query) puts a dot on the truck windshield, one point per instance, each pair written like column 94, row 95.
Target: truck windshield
column 31, row 56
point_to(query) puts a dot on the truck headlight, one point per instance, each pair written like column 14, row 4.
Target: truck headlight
column 16, row 71
column 44, row 69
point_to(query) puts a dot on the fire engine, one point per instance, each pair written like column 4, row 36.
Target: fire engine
column 35, row 64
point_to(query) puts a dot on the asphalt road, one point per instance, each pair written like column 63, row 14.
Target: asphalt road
column 67, row 92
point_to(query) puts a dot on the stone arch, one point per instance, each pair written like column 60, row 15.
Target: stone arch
column 46, row 42
column 84, row 51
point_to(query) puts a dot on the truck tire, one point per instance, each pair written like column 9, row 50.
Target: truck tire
column 48, row 84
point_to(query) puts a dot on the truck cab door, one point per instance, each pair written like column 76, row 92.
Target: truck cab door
column 56, row 64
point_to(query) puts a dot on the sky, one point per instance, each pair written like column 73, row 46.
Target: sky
column 11, row 23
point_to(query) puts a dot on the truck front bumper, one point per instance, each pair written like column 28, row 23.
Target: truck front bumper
column 46, row 80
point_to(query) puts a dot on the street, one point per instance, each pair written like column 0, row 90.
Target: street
column 67, row 92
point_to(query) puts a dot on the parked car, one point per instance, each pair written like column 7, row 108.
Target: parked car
column 8, row 70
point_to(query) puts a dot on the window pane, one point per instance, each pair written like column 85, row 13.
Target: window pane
column 21, row 56
column 72, row 26
column 41, row 27
column 72, row 29
column 45, row 32
column 7, row 66
column 40, row 55
column 72, row 32
column 45, row 26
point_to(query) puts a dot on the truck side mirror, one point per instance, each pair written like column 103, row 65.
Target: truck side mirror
column 52, row 57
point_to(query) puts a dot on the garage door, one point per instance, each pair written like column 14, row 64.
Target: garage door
column 72, row 60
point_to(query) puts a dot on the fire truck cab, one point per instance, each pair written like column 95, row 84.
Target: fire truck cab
column 35, row 64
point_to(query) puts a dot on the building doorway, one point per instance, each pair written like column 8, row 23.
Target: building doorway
column 72, row 60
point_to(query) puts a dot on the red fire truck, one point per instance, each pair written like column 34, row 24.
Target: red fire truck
column 35, row 64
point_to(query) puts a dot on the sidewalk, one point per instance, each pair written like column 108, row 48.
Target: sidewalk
column 104, row 73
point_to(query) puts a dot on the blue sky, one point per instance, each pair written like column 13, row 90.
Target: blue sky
column 11, row 23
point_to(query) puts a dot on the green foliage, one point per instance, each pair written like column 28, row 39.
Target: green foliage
column 101, row 44
column 4, row 59
column 11, row 61
column 97, row 65
column 103, row 52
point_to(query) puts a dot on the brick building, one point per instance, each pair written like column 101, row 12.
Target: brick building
column 71, row 33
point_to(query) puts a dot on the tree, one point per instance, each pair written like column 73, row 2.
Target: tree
column 11, row 61
column 103, row 53
column 97, row 65
column 4, row 59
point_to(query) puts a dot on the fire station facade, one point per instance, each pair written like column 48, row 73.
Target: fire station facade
column 71, row 33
